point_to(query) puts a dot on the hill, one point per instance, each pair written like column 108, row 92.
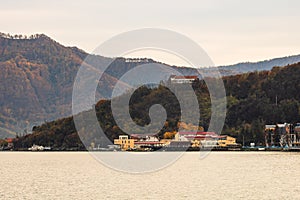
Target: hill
column 251, row 104
column 36, row 80
column 37, row 76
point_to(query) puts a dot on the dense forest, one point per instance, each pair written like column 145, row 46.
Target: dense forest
column 253, row 100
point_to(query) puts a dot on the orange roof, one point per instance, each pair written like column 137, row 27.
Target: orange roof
column 9, row 140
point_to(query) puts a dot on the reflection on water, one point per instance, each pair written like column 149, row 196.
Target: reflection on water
column 221, row 175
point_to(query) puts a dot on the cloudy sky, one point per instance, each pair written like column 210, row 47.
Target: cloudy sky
column 230, row 31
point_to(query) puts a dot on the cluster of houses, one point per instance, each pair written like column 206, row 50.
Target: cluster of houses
column 283, row 135
column 276, row 136
column 189, row 140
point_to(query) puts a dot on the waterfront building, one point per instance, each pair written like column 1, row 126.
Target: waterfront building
column 182, row 140
column 270, row 135
column 144, row 137
column 124, row 142
column 297, row 128
column 206, row 139
column 10, row 143
column 227, row 141
column 180, row 144
column 282, row 135
column 146, row 142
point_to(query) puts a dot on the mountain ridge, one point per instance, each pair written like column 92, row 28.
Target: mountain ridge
column 37, row 76
column 244, row 67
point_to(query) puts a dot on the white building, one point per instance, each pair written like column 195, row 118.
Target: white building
column 182, row 79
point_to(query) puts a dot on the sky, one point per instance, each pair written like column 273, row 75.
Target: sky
column 230, row 31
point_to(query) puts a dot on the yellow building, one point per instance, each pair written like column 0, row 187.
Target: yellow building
column 227, row 141
column 124, row 142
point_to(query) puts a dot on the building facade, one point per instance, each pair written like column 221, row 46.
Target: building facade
column 206, row 139
column 124, row 142
column 282, row 135
column 182, row 79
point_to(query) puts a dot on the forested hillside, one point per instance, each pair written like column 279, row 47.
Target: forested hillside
column 36, row 80
column 37, row 76
column 253, row 100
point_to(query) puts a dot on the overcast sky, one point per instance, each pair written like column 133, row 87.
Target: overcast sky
column 230, row 31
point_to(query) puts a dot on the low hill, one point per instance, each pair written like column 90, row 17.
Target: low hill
column 254, row 99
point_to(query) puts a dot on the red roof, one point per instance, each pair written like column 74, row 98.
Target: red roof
column 148, row 142
column 185, row 77
column 9, row 140
column 201, row 135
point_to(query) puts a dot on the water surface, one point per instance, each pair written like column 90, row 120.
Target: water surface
column 221, row 175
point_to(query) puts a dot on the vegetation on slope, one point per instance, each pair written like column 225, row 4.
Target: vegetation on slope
column 254, row 99
column 37, row 76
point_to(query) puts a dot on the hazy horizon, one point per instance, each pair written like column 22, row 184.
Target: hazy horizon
column 229, row 31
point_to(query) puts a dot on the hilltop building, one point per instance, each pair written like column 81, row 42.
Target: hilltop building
column 182, row 79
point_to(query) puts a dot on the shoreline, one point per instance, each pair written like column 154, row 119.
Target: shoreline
column 202, row 150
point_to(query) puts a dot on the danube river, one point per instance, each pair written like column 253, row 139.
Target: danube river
column 221, row 175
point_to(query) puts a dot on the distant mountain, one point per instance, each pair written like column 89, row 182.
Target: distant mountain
column 37, row 76
column 258, row 66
